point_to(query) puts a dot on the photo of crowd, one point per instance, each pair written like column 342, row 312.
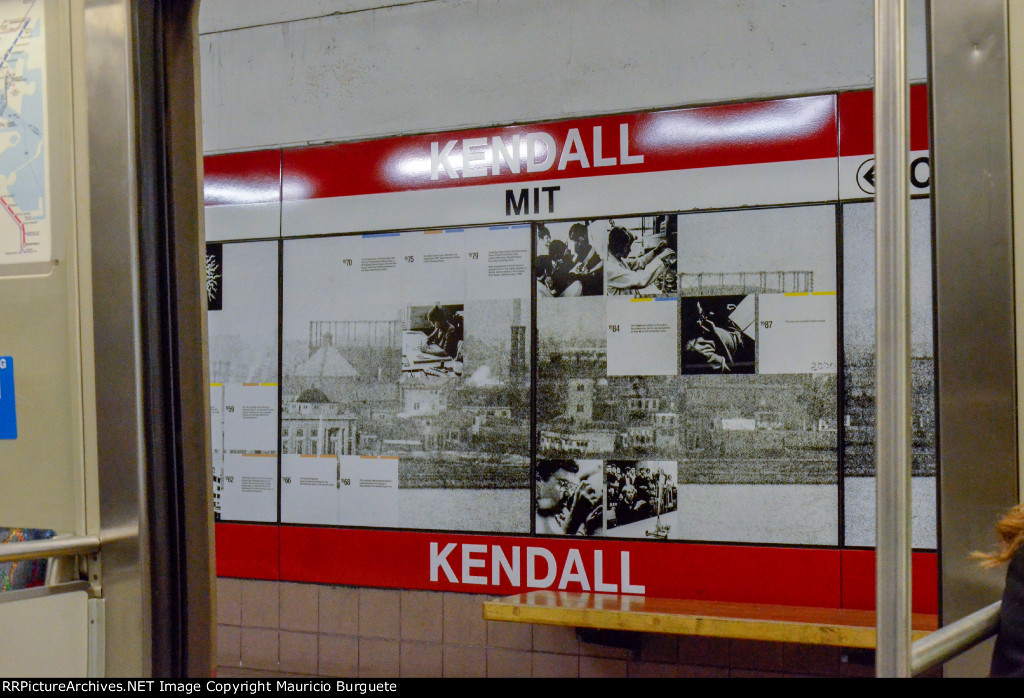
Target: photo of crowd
column 639, row 490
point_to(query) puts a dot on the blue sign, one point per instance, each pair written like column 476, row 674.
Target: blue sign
column 8, row 413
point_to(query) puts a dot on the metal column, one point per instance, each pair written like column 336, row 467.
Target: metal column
column 974, row 292
column 892, row 312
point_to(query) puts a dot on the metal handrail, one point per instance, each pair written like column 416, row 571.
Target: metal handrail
column 51, row 547
column 955, row 638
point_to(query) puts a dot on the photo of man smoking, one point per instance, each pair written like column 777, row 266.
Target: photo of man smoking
column 718, row 334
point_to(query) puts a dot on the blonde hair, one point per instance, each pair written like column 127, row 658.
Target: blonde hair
column 1010, row 530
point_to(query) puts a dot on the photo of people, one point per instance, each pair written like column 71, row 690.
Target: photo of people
column 639, row 491
column 567, row 263
column 641, row 259
column 718, row 334
column 569, row 496
column 432, row 342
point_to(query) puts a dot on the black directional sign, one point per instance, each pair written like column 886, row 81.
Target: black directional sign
column 866, row 176
column 920, row 175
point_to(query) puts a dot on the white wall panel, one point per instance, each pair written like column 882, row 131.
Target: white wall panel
column 45, row 636
column 445, row 64
column 225, row 15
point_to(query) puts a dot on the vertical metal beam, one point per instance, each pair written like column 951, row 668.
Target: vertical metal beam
column 1015, row 48
column 172, row 265
column 185, row 167
column 105, row 37
column 892, row 312
column 974, row 292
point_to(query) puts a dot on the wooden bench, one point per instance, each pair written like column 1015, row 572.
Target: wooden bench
column 816, row 626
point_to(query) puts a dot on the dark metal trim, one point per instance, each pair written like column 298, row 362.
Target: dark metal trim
column 173, row 322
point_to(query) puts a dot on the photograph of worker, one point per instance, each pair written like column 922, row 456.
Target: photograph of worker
column 640, row 498
column 717, row 334
column 377, row 365
column 641, row 256
column 569, row 261
column 569, row 497
column 432, row 341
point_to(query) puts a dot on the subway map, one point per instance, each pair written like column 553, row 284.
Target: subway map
column 24, row 185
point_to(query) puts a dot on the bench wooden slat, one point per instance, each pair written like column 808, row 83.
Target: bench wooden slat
column 817, row 626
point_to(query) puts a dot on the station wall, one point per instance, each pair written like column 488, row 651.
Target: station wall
column 276, row 80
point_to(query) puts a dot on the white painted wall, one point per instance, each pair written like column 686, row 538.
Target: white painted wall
column 278, row 73
column 225, row 15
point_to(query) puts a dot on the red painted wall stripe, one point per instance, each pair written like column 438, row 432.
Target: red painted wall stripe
column 859, row 580
column 242, row 178
column 857, row 121
column 400, row 559
column 737, row 134
column 825, row 578
column 734, row 134
column 248, row 551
